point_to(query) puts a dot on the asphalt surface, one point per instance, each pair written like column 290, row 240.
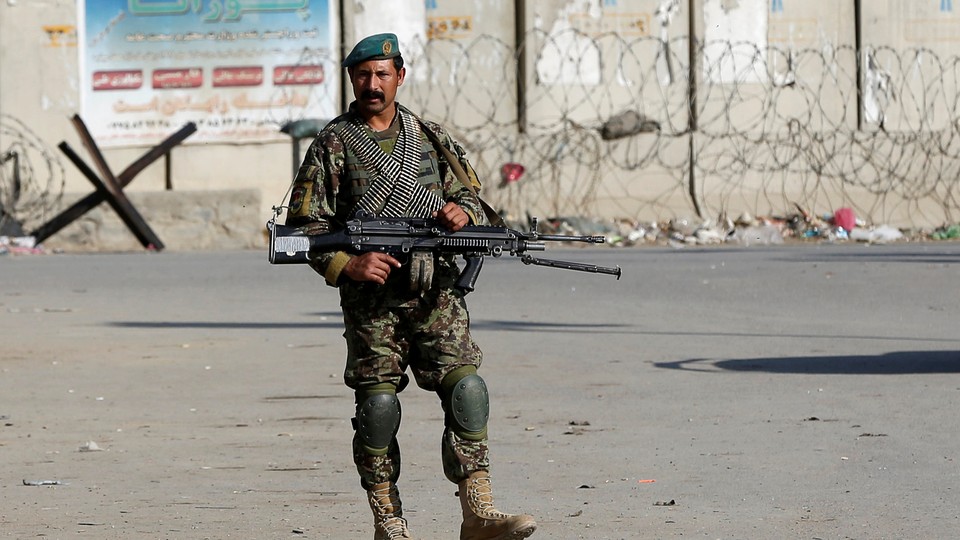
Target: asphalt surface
column 803, row 391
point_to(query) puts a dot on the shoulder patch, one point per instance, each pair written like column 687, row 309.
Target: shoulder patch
column 300, row 199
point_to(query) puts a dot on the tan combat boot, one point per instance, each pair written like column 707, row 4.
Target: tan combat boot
column 388, row 519
column 481, row 521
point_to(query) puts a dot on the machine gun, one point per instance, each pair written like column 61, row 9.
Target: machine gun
column 400, row 237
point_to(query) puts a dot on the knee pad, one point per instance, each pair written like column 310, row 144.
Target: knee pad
column 378, row 418
column 466, row 403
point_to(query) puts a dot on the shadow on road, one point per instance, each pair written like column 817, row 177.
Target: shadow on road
column 539, row 326
column 226, row 325
column 894, row 363
column 917, row 256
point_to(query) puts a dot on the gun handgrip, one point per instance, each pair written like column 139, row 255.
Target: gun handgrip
column 468, row 277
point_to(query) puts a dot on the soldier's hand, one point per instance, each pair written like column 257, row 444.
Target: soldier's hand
column 452, row 216
column 372, row 266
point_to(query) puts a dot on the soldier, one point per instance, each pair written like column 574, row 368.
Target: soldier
column 381, row 159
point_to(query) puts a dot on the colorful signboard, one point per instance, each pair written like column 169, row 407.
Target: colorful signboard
column 238, row 69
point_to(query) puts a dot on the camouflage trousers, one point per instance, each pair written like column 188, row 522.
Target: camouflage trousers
column 430, row 338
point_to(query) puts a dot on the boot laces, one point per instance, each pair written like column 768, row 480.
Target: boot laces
column 481, row 499
column 395, row 528
column 390, row 521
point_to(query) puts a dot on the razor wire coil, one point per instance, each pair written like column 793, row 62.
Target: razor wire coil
column 32, row 177
column 772, row 127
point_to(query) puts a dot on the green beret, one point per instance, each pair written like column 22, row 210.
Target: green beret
column 376, row 47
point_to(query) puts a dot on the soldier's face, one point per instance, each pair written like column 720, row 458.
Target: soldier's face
column 375, row 84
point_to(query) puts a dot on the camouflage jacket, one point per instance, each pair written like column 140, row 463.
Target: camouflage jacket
column 331, row 179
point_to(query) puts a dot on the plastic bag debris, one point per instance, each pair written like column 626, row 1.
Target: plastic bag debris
column 42, row 482
column 89, row 446
column 762, row 235
column 877, row 235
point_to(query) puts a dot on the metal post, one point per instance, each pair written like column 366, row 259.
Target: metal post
column 168, row 172
column 296, row 156
column 520, row 33
column 692, row 127
column 861, row 64
column 344, row 99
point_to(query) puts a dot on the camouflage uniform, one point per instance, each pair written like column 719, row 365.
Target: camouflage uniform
column 389, row 328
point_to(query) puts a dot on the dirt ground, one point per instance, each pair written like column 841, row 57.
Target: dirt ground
column 773, row 392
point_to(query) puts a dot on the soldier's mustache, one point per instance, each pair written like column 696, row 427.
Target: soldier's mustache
column 371, row 94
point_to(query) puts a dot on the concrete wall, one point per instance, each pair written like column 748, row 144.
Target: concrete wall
column 762, row 97
column 918, row 96
column 587, row 63
column 183, row 220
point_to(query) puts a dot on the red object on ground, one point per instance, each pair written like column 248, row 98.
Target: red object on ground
column 844, row 217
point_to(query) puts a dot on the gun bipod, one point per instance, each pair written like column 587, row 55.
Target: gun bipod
column 568, row 265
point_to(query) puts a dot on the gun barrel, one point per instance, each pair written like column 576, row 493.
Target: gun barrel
column 590, row 239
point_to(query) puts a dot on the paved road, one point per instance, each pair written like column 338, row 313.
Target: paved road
column 772, row 392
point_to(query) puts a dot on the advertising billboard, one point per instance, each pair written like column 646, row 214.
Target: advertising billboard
column 238, row 69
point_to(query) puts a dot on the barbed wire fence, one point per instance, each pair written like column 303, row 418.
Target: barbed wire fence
column 32, row 177
column 619, row 127
column 612, row 126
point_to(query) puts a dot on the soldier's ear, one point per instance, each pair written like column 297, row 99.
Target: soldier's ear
column 400, row 75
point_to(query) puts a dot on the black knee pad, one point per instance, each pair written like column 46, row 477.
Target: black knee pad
column 466, row 403
column 378, row 418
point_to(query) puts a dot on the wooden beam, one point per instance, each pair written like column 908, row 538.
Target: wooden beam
column 118, row 201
